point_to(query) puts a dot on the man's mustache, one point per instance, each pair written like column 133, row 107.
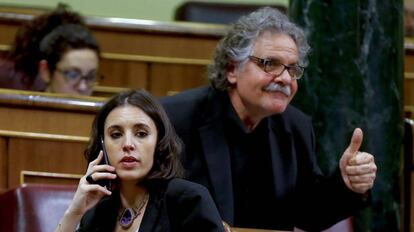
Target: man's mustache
column 272, row 87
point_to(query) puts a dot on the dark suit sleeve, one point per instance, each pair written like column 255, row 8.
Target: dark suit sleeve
column 191, row 208
column 321, row 200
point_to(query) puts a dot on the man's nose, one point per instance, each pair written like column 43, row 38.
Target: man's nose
column 284, row 77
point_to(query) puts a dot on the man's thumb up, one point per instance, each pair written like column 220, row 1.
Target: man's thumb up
column 358, row 169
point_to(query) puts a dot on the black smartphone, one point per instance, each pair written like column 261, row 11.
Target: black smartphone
column 106, row 183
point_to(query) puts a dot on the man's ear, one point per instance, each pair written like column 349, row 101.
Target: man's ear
column 232, row 73
column 44, row 71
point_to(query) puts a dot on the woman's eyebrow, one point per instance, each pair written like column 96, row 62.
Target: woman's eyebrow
column 141, row 125
column 115, row 126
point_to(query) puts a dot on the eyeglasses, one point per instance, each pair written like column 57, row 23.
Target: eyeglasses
column 74, row 76
column 276, row 68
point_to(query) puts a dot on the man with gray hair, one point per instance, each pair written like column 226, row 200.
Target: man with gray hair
column 250, row 148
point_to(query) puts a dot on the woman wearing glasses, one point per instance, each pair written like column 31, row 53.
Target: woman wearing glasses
column 55, row 52
column 70, row 60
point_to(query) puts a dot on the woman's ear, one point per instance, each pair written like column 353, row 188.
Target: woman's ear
column 44, row 71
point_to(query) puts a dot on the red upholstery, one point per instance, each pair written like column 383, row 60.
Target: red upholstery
column 34, row 207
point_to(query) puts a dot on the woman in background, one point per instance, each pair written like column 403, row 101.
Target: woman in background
column 142, row 166
column 55, row 52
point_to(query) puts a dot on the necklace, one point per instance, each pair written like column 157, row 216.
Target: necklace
column 129, row 214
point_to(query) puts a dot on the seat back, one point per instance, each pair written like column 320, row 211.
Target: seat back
column 216, row 12
column 34, row 207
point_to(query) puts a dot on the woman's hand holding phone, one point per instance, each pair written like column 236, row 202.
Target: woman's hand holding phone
column 88, row 194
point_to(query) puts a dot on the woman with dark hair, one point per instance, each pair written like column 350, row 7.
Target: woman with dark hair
column 70, row 60
column 55, row 52
column 135, row 188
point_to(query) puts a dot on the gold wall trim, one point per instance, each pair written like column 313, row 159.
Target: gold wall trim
column 109, row 89
column 4, row 47
column 25, row 173
column 408, row 43
column 409, row 75
column 14, row 9
column 43, row 136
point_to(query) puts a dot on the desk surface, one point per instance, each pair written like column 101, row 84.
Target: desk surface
column 188, row 28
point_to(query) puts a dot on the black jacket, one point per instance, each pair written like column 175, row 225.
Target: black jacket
column 305, row 198
column 174, row 206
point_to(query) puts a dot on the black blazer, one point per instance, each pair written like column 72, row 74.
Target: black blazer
column 305, row 198
column 174, row 206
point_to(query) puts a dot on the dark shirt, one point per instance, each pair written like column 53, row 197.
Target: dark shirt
column 251, row 171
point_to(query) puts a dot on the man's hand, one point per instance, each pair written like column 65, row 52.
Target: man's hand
column 358, row 169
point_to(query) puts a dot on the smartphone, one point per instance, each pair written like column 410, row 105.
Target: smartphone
column 106, row 183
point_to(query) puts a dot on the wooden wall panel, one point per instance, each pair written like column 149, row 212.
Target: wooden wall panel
column 50, row 179
column 409, row 80
column 409, row 91
column 44, row 156
column 409, row 62
column 159, row 41
column 155, row 44
column 167, row 78
column 8, row 30
column 122, row 73
column 45, row 133
column 45, row 121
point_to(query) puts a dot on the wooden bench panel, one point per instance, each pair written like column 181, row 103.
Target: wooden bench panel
column 155, row 42
column 43, row 133
column 33, row 177
column 168, row 78
column 126, row 74
column 132, row 50
column 44, row 155
column 409, row 61
column 8, row 31
column 47, row 113
column 45, row 121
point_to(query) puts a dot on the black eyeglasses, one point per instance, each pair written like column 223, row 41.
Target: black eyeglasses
column 276, row 68
column 74, row 76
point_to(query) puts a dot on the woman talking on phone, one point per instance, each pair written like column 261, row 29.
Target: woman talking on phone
column 141, row 169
